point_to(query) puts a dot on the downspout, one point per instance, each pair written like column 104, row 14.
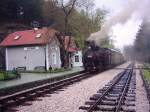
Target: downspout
column 46, row 58
column 6, row 58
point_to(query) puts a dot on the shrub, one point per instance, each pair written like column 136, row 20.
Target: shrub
column 7, row 75
column 56, row 70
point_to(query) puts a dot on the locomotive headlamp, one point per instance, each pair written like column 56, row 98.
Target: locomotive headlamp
column 89, row 47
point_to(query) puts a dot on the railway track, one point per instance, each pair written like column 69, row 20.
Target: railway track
column 118, row 95
column 19, row 98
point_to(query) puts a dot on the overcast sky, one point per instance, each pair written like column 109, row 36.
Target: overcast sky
column 123, row 34
column 112, row 5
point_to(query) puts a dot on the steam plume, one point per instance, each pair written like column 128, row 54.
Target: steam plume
column 141, row 7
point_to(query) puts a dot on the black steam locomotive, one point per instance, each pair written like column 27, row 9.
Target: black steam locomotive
column 99, row 59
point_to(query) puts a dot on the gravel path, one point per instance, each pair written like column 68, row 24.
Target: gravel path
column 142, row 104
column 73, row 96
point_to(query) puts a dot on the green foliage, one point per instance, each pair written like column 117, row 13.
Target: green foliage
column 79, row 38
column 57, row 70
column 1, row 76
column 8, row 75
column 81, row 23
column 23, row 11
column 142, row 43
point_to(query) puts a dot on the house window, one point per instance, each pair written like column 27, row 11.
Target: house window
column 54, row 60
column 36, row 48
column 38, row 35
column 25, row 48
column 76, row 58
column 17, row 37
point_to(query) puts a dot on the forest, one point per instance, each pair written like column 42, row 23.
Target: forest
column 140, row 50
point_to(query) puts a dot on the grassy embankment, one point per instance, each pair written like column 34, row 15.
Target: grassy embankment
column 8, row 75
column 146, row 72
column 147, row 75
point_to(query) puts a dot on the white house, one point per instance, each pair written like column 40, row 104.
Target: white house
column 75, row 53
column 32, row 49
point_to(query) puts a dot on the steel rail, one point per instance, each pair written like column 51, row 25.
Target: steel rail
column 103, row 95
column 92, row 107
column 124, row 92
column 5, row 101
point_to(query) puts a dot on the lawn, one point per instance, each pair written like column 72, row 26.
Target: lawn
column 147, row 75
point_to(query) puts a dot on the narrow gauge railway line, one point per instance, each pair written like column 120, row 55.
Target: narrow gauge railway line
column 31, row 94
column 117, row 95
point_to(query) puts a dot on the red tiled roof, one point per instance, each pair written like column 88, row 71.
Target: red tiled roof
column 70, row 46
column 72, row 49
column 28, row 37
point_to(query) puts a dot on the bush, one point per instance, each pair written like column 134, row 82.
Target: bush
column 7, row 75
column 56, row 70
column 1, row 76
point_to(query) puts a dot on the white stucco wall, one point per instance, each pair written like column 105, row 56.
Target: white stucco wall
column 29, row 57
column 54, row 54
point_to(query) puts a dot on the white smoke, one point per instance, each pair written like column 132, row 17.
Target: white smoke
column 141, row 7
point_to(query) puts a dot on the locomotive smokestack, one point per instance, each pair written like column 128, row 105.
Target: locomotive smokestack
column 91, row 45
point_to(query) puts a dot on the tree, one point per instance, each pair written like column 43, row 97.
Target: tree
column 51, row 14
column 129, row 53
column 67, row 9
column 22, row 11
column 142, row 43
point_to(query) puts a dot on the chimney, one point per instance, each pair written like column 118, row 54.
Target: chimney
column 35, row 29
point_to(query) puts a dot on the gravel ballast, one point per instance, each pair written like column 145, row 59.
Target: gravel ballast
column 73, row 96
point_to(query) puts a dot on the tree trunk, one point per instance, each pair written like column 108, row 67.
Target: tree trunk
column 64, row 52
column 66, row 24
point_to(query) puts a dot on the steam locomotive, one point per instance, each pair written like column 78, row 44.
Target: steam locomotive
column 99, row 59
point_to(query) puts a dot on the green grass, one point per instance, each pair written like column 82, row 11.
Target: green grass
column 147, row 75
column 8, row 75
column 1, row 76
column 49, row 71
column 58, row 70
